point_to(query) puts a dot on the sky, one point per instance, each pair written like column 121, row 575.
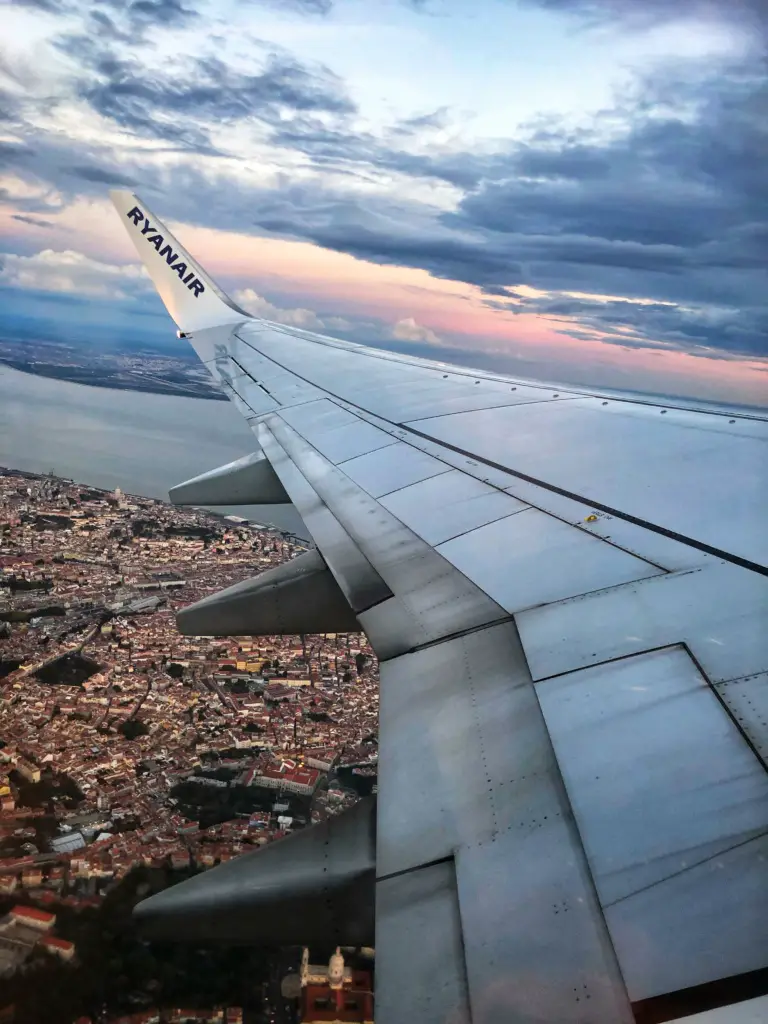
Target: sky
column 570, row 190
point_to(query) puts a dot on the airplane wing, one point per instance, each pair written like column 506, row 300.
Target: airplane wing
column 567, row 594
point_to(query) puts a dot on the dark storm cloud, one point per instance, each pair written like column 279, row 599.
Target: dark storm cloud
column 284, row 83
column 321, row 7
column 101, row 175
column 571, row 161
column 120, row 89
column 36, row 222
column 49, row 6
column 625, row 210
column 441, row 255
column 168, row 13
column 386, row 234
column 675, row 193
column 7, row 106
column 668, row 197
column 416, row 125
column 46, row 165
column 344, row 145
column 182, row 103
column 12, row 153
column 737, row 332
column 753, row 13
column 103, row 26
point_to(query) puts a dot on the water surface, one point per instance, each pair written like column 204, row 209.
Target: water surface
column 142, row 443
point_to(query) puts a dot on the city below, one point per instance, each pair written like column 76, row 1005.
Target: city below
column 132, row 757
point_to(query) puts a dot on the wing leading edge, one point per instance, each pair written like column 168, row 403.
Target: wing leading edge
column 567, row 593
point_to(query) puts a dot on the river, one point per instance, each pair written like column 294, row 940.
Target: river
column 142, row 443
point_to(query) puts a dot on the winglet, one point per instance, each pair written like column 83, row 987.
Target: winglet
column 190, row 295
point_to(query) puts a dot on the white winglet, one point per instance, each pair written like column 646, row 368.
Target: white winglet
column 192, row 298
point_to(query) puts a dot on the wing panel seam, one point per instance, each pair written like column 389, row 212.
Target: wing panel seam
column 449, row 636
column 685, row 870
column 708, row 549
column 416, row 867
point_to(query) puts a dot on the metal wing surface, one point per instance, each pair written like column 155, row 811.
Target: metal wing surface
column 567, row 593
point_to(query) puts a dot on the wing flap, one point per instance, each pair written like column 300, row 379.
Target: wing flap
column 429, row 984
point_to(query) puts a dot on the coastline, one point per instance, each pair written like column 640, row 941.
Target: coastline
column 101, row 379
column 143, row 443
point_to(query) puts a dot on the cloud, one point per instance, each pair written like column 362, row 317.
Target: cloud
column 261, row 307
column 700, row 331
column 409, row 330
column 101, row 176
column 11, row 151
column 436, row 120
column 360, row 329
column 321, row 7
column 136, row 13
column 8, row 106
column 48, row 6
column 170, row 13
column 387, row 232
column 661, row 198
column 678, row 197
column 36, row 222
column 669, row 204
column 639, row 15
column 71, row 272
column 191, row 97
column 751, row 13
column 345, row 145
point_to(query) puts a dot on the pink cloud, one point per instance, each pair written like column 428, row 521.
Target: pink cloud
column 336, row 283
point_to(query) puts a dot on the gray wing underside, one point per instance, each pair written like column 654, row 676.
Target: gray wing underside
column 567, row 593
